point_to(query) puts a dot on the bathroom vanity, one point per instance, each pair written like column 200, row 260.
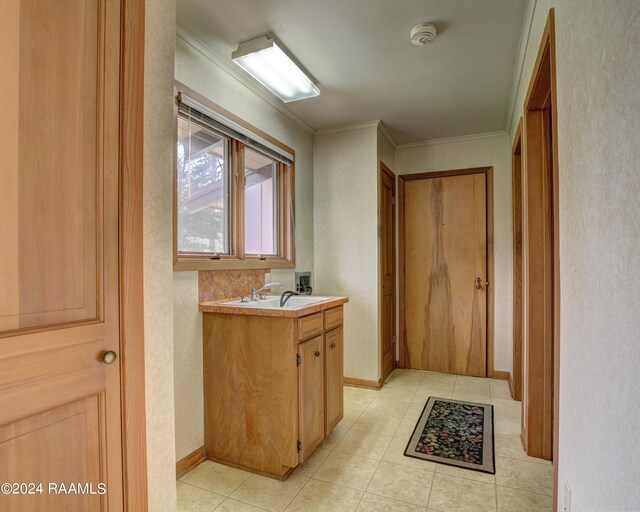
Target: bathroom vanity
column 273, row 380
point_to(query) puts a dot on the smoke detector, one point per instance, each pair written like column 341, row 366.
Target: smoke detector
column 423, row 33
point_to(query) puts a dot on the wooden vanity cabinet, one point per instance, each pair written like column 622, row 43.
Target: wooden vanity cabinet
column 272, row 387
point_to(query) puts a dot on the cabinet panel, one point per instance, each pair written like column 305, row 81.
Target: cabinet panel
column 309, row 326
column 333, row 382
column 311, row 395
column 333, row 318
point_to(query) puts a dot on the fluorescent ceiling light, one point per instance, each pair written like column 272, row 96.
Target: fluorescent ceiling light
column 265, row 61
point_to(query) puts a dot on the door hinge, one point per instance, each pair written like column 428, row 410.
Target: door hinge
column 299, row 445
column 298, row 359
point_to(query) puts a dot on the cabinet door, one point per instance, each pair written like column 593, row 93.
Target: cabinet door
column 311, row 395
column 333, row 378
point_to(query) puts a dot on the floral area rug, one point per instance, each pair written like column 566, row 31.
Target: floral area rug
column 455, row 433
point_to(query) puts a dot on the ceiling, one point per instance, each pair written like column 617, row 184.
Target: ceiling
column 360, row 54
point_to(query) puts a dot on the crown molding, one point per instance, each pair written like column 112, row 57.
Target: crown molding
column 449, row 140
column 385, row 133
column 200, row 46
column 349, row 127
column 525, row 33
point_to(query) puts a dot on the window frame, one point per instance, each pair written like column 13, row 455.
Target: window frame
column 237, row 259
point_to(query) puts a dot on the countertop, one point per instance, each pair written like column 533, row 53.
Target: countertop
column 254, row 309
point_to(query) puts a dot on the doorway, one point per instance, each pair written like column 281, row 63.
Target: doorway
column 541, row 255
column 387, row 242
column 446, row 271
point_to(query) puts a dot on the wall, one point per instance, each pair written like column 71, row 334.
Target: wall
column 197, row 67
column 346, row 238
column 598, row 151
column 479, row 151
column 158, row 274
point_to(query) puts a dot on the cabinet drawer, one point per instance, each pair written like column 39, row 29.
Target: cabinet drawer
column 332, row 318
column 309, row 326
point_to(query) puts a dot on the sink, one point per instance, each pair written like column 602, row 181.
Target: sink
column 274, row 302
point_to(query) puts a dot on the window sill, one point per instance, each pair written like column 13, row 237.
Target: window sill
column 231, row 264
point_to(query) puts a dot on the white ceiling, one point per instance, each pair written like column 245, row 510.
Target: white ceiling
column 366, row 67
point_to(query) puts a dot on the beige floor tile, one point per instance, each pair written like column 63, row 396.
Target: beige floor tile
column 407, row 378
column 388, row 407
column 347, row 470
column 269, row 493
column 230, row 505
column 438, row 377
column 405, row 429
column 436, row 389
column 325, row 497
column 470, row 396
column 514, row 500
column 194, row 499
column 395, row 454
column 524, row 475
column 373, row 503
column 510, row 445
column 356, row 401
column 450, row 494
column 506, row 425
column 311, row 465
column 402, row 393
column 336, row 435
column 473, row 383
column 377, row 424
column 217, row 478
column 192, row 471
column 406, row 484
column 414, row 411
column 355, row 392
column 507, row 408
column 477, row 476
column 349, row 418
column 364, row 444
column 499, row 389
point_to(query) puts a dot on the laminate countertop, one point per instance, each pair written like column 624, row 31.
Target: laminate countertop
column 256, row 309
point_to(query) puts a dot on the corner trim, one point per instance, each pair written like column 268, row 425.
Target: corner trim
column 362, row 383
column 186, row 464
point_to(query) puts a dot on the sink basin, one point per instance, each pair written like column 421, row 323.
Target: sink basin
column 274, row 302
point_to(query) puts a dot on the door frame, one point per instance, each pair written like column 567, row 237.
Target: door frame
column 402, row 179
column 132, row 367
column 517, row 217
column 385, row 170
column 542, row 393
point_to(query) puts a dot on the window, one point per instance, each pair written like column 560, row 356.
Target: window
column 233, row 191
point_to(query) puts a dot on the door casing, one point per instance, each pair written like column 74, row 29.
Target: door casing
column 402, row 179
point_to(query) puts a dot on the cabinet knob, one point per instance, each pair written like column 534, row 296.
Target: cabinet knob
column 317, row 353
column 333, row 345
column 109, row 357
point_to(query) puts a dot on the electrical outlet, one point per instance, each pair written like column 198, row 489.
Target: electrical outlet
column 566, row 498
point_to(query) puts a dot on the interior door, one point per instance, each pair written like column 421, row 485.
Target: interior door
column 388, row 269
column 60, row 419
column 445, row 273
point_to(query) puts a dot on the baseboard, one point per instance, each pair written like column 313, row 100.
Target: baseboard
column 186, row 464
column 363, row 383
column 511, row 388
column 501, row 374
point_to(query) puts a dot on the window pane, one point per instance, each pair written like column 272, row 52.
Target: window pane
column 260, row 204
column 203, row 189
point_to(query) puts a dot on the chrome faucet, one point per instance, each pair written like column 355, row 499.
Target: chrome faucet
column 256, row 291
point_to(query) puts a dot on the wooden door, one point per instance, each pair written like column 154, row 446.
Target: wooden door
column 445, row 251
column 333, row 378
column 388, row 269
column 60, row 414
column 311, row 396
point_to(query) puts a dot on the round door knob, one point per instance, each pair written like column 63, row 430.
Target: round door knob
column 333, row 345
column 317, row 353
column 478, row 283
column 109, row 357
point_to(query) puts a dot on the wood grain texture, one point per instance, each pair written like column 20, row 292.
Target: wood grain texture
column 517, row 218
column 362, row 383
column 251, row 391
column 333, row 318
column 333, row 378
column 186, row 464
column 310, row 326
column 312, row 400
column 60, row 405
column 445, row 252
column 387, row 244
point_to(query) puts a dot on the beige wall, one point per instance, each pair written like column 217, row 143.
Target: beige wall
column 158, row 273
column 346, row 240
column 480, row 151
column 598, row 72
column 197, row 68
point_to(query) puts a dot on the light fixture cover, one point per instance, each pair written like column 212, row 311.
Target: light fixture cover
column 265, row 61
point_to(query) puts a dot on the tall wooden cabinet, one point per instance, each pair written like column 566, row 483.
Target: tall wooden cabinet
column 272, row 384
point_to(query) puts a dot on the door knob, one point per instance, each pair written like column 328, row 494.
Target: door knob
column 317, row 353
column 333, row 345
column 109, row 357
column 478, row 283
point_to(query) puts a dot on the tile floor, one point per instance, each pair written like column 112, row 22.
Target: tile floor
column 361, row 466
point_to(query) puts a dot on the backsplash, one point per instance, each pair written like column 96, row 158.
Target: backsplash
column 228, row 284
